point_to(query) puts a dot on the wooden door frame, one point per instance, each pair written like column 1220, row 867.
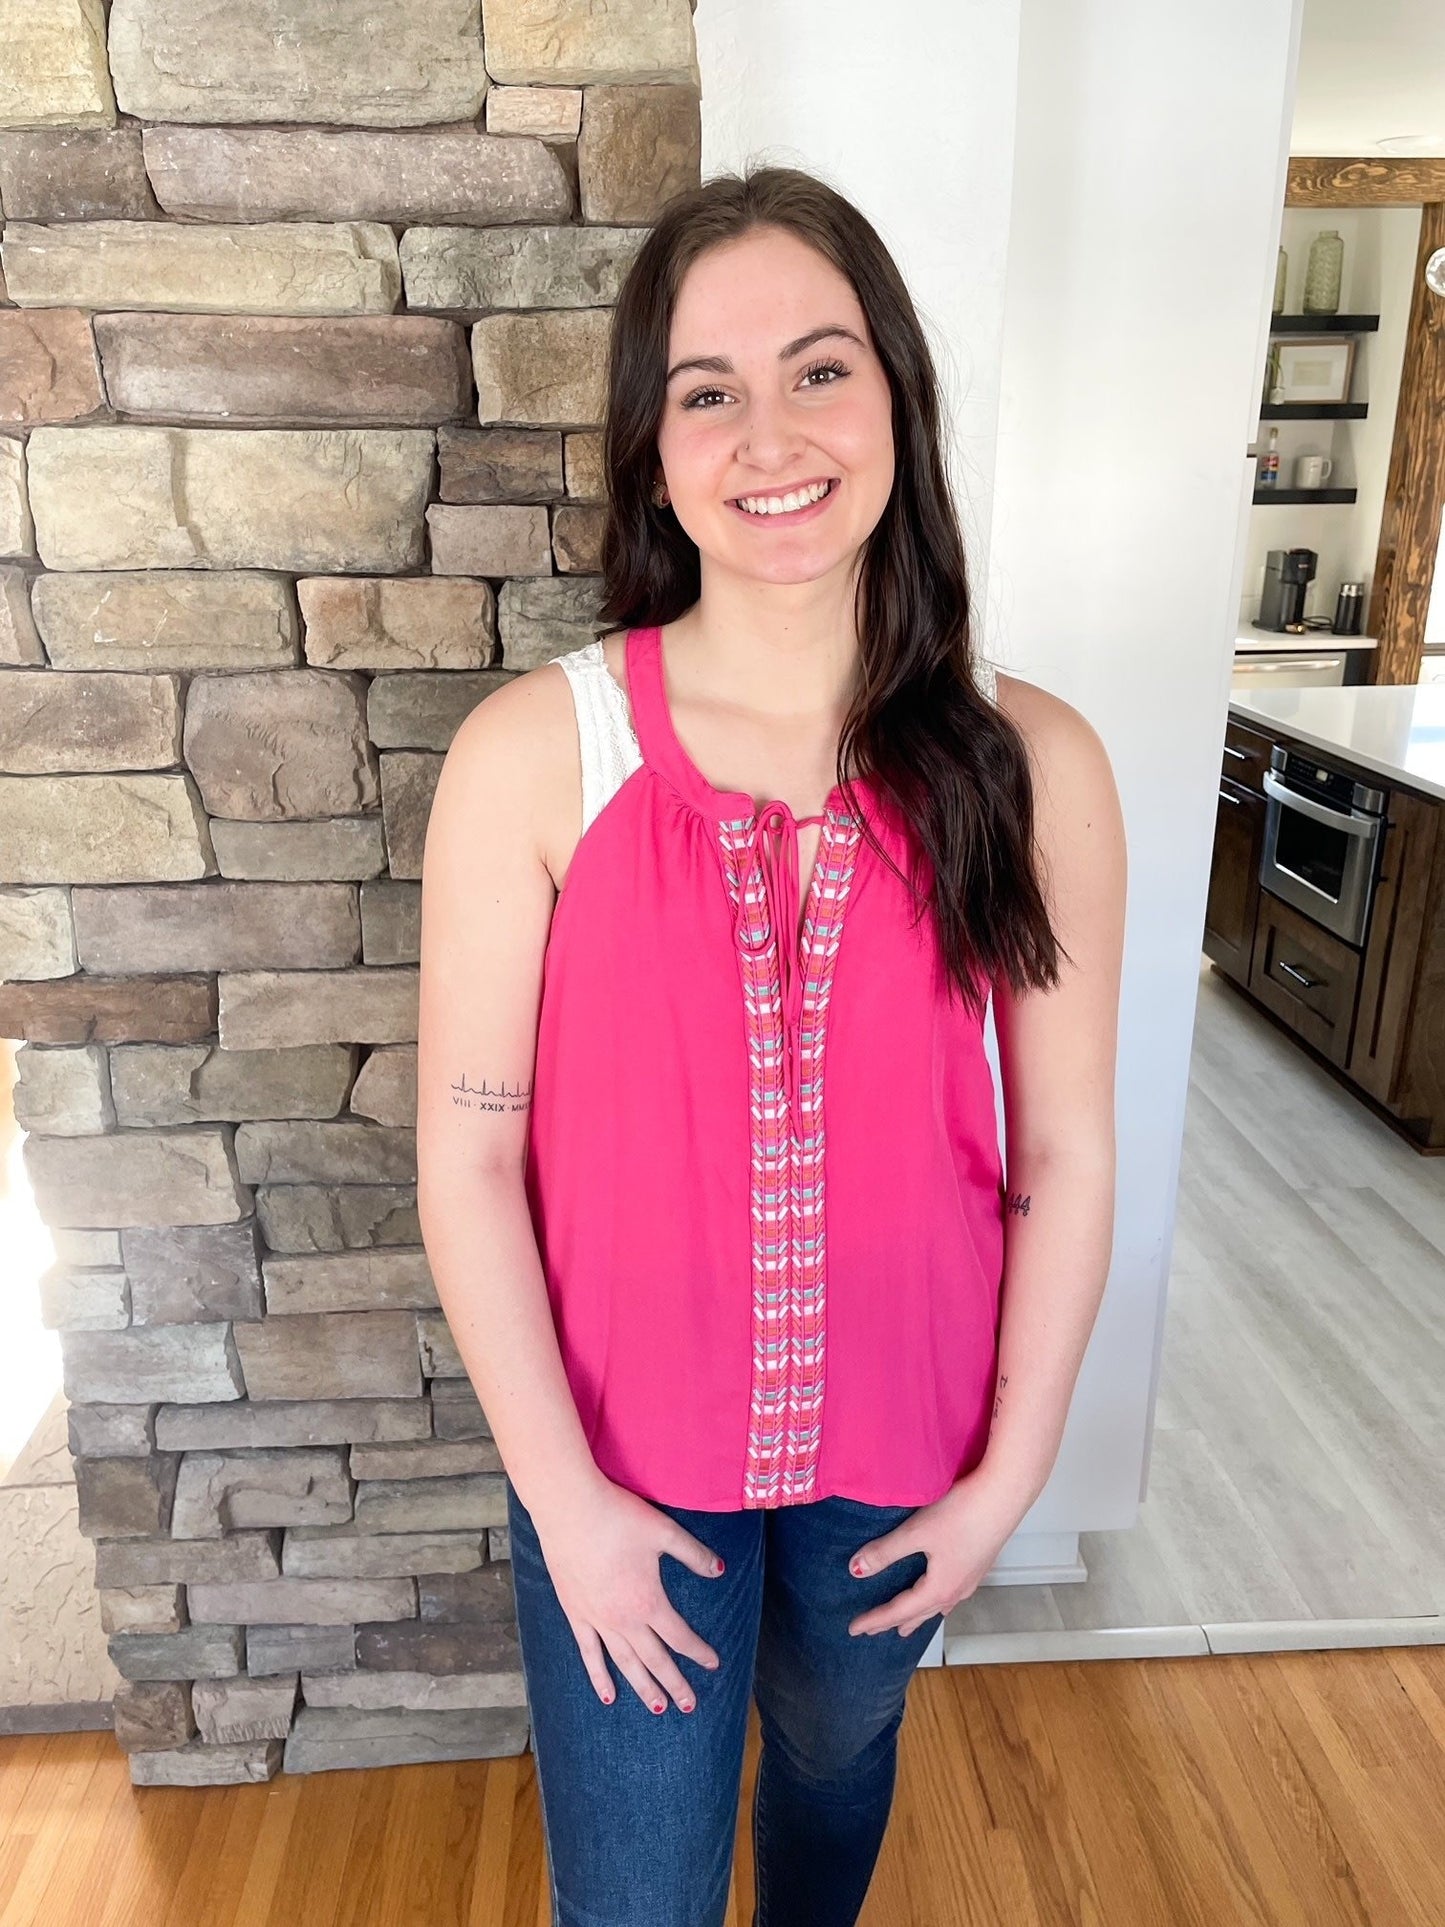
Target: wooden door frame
column 1415, row 485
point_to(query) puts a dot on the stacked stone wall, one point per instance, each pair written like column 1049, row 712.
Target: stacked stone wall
column 303, row 325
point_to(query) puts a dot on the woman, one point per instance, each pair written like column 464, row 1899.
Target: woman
column 769, row 1401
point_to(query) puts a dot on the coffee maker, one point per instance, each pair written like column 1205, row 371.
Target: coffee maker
column 1287, row 575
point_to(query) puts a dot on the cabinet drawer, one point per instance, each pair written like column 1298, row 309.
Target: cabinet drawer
column 1246, row 755
column 1231, row 908
column 1306, row 976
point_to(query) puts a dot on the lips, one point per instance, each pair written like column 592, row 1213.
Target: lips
column 788, row 515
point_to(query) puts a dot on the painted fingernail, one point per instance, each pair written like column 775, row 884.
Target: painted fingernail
column 717, row 1567
column 686, row 1705
column 657, row 1706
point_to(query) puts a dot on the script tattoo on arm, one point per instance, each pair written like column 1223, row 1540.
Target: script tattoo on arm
column 1019, row 1206
column 998, row 1395
column 484, row 1097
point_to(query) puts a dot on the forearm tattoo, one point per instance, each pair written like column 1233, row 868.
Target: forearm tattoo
column 998, row 1395
column 482, row 1097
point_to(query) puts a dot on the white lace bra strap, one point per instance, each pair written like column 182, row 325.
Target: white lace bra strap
column 987, row 679
column 609, row 746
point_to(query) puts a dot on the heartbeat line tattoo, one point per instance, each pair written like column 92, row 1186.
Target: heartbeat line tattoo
column 472, row 1097
column 1019, row 1206
column 998, row 1396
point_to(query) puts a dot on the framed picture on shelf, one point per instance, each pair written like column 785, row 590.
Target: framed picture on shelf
column 1310, row 368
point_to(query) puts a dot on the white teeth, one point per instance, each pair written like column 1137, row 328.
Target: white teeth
column 782, row 504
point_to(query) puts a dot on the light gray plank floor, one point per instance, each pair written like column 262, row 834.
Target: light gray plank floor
column 1296, row 1491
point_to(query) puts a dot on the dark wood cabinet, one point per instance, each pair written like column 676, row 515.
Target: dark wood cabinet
column 1246, row 755
column 1306, row 976
column 1233, row 904
column 1390, row 968
column 1376, row 1014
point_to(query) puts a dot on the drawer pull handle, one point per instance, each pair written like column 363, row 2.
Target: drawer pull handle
column 1300, row 976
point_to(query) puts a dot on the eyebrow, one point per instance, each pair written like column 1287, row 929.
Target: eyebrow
column 720, row 365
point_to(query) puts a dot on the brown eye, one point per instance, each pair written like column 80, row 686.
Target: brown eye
column 834, row 368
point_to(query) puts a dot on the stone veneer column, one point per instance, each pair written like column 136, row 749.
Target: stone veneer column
column 283, row 494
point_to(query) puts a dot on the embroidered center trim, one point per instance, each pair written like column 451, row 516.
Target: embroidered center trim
column 785, row 1067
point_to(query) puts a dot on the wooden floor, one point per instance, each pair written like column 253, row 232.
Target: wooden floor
column 1259, row 1790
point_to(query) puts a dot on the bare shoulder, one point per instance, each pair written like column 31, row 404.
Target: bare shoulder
column 1058, row 1042
column 512, row 765
column 1072, row 771
column 523, row 720
column 1079, row 830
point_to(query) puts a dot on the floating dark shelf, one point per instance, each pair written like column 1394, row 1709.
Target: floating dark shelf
column 1314, row 411
column 1301, row 495
column 1323, row 324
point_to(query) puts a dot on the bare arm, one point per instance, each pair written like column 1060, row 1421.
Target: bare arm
column 1057, row 1052
column 1056, row 1059
column 487, row 900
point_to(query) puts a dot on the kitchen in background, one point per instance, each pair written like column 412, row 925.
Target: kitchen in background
column 1298, row 1414
column 1327, row 890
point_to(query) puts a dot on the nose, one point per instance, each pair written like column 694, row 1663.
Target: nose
column 769, row 436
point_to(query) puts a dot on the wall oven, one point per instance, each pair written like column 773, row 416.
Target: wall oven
column 1323, row 832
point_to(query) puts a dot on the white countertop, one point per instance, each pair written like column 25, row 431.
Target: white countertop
column 1395, row 729
column 1314, row 639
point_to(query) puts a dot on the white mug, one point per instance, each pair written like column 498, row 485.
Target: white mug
column 1312, row 471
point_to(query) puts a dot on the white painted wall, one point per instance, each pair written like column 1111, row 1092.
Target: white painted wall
column 1151, row 169
column 1134, row 162
column 910, row 114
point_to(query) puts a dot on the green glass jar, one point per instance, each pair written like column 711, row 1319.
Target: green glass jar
column 1324, row 273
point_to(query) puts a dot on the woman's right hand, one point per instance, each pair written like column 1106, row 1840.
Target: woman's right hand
column 602, row 1556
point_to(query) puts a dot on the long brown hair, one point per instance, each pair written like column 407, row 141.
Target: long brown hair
column 952, row 765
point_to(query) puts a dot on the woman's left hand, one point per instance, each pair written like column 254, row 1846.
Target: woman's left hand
column 961, row 1533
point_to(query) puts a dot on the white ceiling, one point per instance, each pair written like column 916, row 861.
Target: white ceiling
column 1371, row 72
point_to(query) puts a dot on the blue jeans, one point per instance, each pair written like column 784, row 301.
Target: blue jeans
column 639, row 1809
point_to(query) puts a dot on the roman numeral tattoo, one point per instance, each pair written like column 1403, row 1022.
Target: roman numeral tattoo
column 482, row 1097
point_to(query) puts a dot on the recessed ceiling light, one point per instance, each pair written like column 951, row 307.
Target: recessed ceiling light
column 1412, row 144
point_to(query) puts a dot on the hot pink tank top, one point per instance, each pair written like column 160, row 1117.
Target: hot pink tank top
column 763, row 1167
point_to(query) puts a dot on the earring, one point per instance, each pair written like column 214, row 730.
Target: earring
column 659, row 494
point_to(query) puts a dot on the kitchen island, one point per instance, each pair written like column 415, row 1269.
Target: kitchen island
column 1327, row 889
column 1395, row 730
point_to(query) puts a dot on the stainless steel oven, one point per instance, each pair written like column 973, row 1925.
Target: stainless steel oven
column 1323, row 831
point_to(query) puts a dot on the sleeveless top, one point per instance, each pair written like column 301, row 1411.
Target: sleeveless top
column 762, row 1156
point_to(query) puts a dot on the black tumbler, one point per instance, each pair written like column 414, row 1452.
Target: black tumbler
column 1349, row 610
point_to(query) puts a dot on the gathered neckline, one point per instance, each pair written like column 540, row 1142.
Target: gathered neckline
column 662, row 747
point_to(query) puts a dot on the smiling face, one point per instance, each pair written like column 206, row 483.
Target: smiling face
column 791, row 402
